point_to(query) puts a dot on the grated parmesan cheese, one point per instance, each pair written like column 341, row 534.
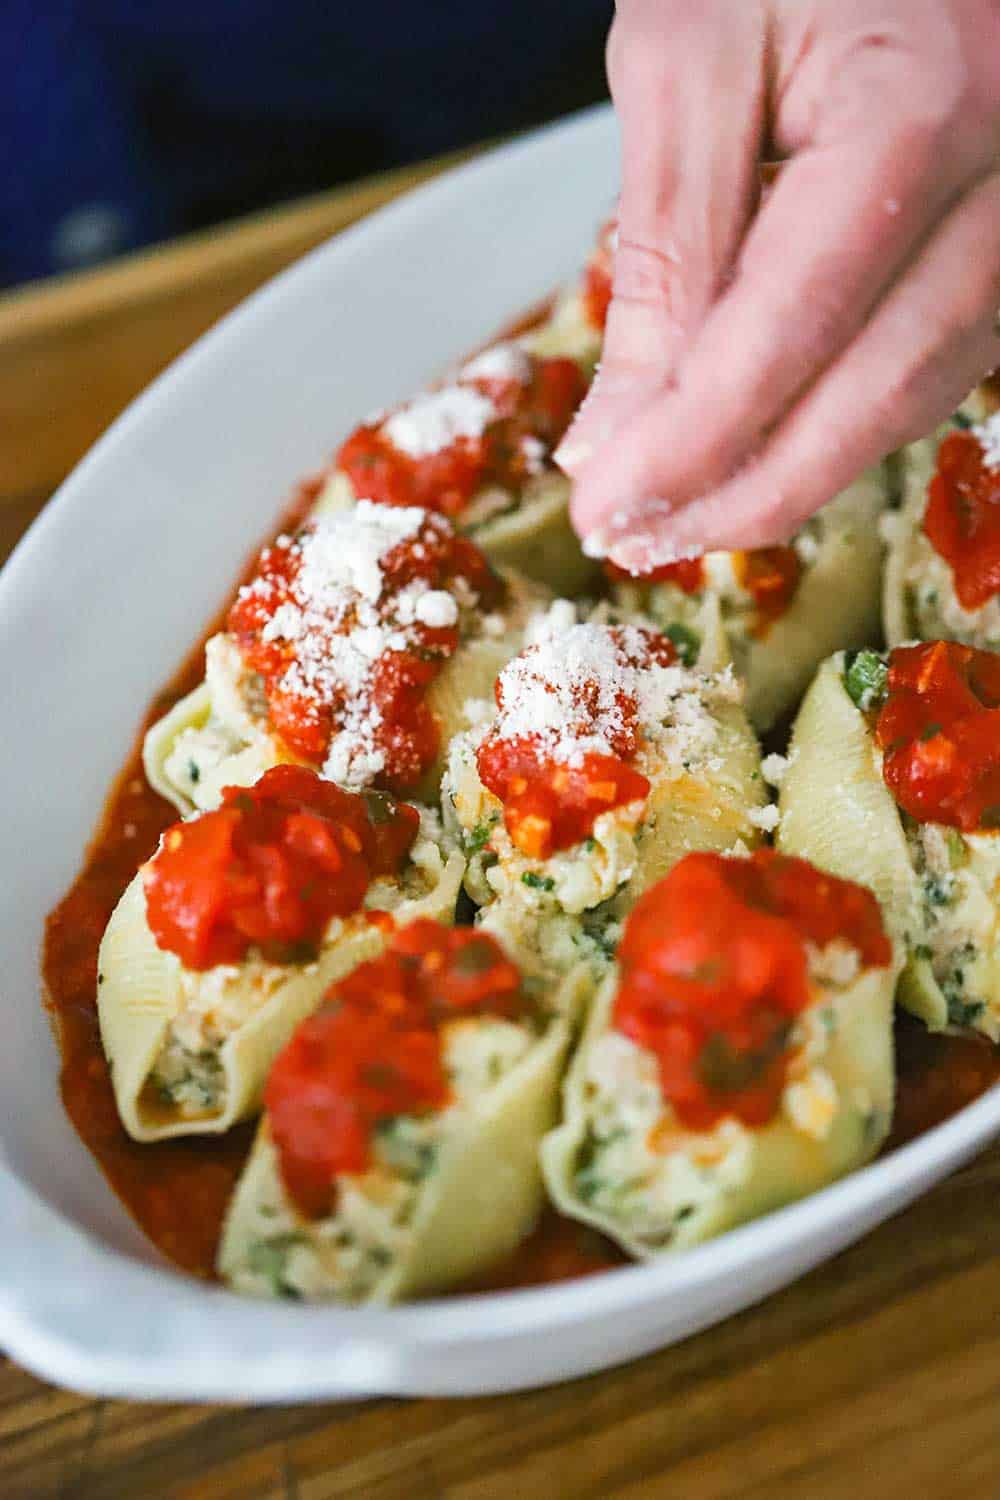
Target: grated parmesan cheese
column 342, row 620
column 579, row 687
column 534, row 453
column 435, row 421
column 988, row 434
column 347, row 555
column 437, row 609
column 774, row 767
column 502, row 362
column 765, row 818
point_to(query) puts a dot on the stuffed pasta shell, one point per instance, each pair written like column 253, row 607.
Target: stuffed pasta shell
column 894, row 777
column 942, row 574
column 479, row 451
column 738, row 1056
column 399, row 1149
column 784, row 608
column 352, row 650
column 229, row 935
column 604, row 761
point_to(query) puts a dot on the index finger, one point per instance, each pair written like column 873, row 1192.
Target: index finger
column 687, row 80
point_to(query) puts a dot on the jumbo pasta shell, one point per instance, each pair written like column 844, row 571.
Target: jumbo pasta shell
column 767, row 1166
column 243, row 767
column 142, row 991
column 709, row 810
column 544, row 905
column 480, row 1201
column 909, row 551
column 836, row 605
column 567, row 334
column 538, row 539
column 468, row 674
column 835, row 808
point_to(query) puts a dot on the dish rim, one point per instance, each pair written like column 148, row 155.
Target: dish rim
column 368, row 1339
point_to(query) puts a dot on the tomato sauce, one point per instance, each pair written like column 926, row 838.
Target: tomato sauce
column 177, row 1191
column 771, row 577
column 714, row 971
column 962, row 519
column 596, row 285
column 373, row 1050
column 270, row 867
column 688, row 574
column 308, row 700
column 939, row 733
column 551, row 804
column 530, row 417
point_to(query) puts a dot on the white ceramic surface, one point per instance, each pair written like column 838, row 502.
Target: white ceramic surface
column 98, row 605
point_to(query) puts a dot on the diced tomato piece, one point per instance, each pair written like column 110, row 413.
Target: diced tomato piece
column 962, row 519
column 714, row 972
column 271, row 867
column 939, row 733
column 374, row 1051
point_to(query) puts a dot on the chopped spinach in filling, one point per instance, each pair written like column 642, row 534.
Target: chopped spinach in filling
column 865, row 678
column 191, row 1082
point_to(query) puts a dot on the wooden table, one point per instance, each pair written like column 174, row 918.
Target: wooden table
column 879, row 1374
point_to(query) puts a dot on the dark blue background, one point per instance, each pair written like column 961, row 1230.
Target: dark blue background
column 123, row 121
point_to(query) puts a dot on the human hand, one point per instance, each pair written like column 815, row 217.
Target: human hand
column 756, row 362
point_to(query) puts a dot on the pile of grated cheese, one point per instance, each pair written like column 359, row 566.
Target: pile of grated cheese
column 434, row 421
column 578, row 687
column 988, row 434
column 507, row 362
column 341, row 620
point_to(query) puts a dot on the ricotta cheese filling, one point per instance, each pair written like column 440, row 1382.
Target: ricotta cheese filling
column 371, row 1228
column 638, row 1165
column 959, row 929
column 933, row 607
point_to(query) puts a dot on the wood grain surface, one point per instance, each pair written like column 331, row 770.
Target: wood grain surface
column 877, row 1375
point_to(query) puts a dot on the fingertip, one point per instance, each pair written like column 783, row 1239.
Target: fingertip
column 613, row 399
column 586, row 516
column 596, row 501
column 572, row 454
